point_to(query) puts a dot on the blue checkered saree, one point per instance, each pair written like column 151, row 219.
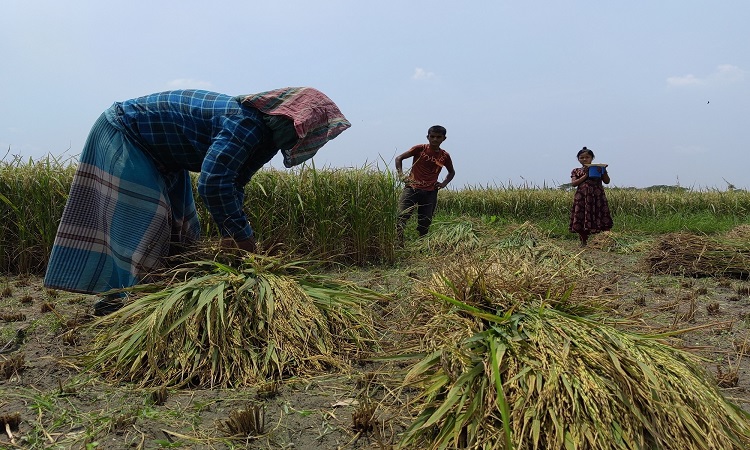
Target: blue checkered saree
column 120, row 217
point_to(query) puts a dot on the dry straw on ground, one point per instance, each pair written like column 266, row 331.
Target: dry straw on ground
column 739, row 232
column 695, row 255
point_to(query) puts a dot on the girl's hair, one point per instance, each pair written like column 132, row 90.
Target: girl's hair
column 585, row 150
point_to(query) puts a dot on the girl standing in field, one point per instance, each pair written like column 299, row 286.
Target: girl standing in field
column 590, row 213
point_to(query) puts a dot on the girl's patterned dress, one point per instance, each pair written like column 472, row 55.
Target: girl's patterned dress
column 590, row 213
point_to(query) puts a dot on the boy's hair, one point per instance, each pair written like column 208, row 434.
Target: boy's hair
column 585, row 150
column 437, row 129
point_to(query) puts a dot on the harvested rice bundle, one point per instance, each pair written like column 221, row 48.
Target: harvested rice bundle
column 539, row 378
column 508, row 278
column 214, row 325
column 699, row 256
column 505, row 280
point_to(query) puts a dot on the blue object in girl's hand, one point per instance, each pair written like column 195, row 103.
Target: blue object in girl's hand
column 596, row 171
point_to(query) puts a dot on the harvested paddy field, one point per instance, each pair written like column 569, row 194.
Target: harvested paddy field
column 51, row 397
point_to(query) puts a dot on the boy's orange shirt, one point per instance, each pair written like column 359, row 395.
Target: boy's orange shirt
column 426, row 166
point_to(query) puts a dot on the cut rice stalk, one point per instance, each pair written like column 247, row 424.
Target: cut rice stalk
column 545, row 379
column 225, row 326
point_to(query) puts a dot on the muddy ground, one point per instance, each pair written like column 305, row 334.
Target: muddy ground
column 48, row 400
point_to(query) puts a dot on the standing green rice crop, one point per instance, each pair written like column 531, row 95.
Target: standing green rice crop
column 348, row 215
column 345, row 215
column 649, row 211
column 32, row 197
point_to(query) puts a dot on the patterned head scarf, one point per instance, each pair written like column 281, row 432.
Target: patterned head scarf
column 316, row 118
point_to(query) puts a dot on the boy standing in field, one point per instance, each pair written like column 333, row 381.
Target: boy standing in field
column 422, row 182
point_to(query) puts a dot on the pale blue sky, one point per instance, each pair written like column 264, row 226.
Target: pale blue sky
column 520, row 86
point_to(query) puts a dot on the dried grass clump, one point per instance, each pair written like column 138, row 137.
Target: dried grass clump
column 10, row 421
column 540, row 378
column 728, row 379
column 11, row 365
column 159, row 396
column 12, row 317
column 611, row 241
column 602, row 241
column 216, row 325
column 694, row 255
column 244, row 423
column 739, row 232
column 363, row 418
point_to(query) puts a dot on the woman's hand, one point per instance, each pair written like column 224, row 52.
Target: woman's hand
column 248, row 245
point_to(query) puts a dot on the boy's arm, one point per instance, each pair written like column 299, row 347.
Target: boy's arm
column 449, row 177
column 407, row 154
